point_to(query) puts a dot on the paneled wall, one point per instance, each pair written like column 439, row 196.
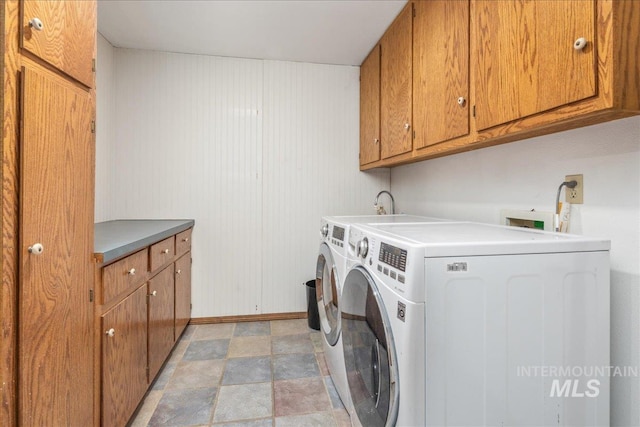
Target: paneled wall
column 105, row 121
column 525, row 175
column 255, row 151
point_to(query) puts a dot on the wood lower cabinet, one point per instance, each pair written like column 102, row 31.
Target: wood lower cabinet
column 182, row 294
column 124, row 358
column 161, row 319
column 145, row 297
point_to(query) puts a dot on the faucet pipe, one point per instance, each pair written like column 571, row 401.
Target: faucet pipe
column 393, row 203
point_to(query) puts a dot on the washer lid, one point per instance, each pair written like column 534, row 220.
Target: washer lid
column 460, row 239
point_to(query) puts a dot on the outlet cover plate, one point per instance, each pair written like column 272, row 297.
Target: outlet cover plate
column 574, row 196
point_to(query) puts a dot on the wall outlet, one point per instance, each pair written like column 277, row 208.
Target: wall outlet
column 574, row 195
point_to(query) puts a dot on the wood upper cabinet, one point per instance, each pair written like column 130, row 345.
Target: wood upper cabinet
column 395, row 86
column 182, row 294
column 55, row 363
column 62, row 33
column 532, row 56
column 124, row 358
column 161, row 319
column 440, row 71
column 370, row 108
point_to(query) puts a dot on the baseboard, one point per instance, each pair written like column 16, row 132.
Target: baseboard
column 248, row 318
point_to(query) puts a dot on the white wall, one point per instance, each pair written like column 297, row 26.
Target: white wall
column 105, row 126
column 525, row 175
column 255, row 151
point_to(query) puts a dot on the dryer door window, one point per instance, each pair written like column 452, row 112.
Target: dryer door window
column 327, row 295
column 369, row 351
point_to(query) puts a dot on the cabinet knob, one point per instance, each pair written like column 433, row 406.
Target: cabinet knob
column 376, row 140
column 36, row 249
column 462, row 101
column 407, row 126
column 154, row 293
column 186, row 239
column 110, row 333
column 132, row 272
column 580, row 43
column 166, row 251
column 178, row 271
column 36, row 24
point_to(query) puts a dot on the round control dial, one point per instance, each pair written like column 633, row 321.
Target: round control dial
column 324, row 230
column 363, row 247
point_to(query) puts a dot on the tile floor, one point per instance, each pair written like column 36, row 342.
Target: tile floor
column 258, row 374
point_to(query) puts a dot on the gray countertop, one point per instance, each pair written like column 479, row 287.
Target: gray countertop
column 115, row 239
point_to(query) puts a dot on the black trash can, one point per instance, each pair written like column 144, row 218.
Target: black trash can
column 312, row 306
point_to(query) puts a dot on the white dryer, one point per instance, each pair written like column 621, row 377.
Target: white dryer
column 330, row 274
column 449, row 324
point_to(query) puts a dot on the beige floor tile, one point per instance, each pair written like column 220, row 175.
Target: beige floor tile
column 146, row 411
column 342, row 417
column 316, row 419
column 290, row 327
column 213, row 331
column 249, row 346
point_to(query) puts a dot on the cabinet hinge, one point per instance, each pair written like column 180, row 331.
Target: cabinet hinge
column 90, row 295
column 414, row 134
column 474, row 111
column 190, row 306
column 93, row 65
column 93, row 126
column 414, row 10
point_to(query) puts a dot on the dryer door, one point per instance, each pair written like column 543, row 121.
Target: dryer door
column 369, row 351
column 327, row 295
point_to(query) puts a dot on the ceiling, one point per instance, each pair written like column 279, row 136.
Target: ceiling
column 318, row 31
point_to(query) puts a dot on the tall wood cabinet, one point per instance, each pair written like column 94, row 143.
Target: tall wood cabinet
column 48, row 109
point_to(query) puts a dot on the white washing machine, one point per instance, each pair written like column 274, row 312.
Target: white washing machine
column 330, row 274
column 451, row 324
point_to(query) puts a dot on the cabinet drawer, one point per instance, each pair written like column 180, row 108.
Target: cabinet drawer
column 183, row 242
column 162, row 252
column 124, row 274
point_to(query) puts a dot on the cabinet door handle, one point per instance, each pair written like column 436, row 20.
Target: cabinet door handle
column 132, row 272
column 154, row 293
column 186, row 239
column 580, row 43
column 166, row 251
column 178, row 271
column 407, row 126
column 376, row 140
column 36, row 24
column 462, row 101
column 36, row 249
column 110, row 333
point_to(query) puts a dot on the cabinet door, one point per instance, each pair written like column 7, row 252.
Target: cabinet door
column 370, row 108
column 526, row 60
column 440, row 71
column 182, row 294
column 55, row 364
column 395, row 86
column 62, row 33
column 124, row 358
column 161, row 320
